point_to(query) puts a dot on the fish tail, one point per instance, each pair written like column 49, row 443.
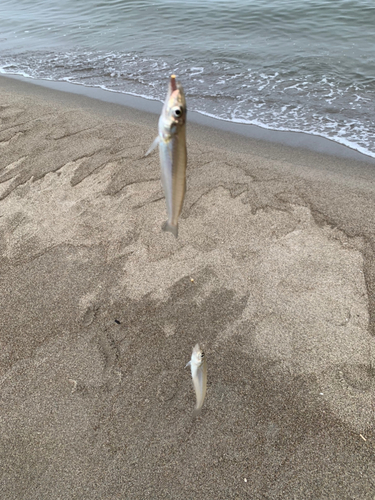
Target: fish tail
column 197, row 411
column 170, row 228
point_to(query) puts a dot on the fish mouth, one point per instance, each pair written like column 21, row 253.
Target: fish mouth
column 173, row 83
column 175, row 106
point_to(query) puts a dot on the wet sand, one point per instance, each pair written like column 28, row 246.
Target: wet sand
column 273, row 273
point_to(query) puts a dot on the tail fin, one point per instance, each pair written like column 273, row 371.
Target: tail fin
column 170, row 229
column 197, row 412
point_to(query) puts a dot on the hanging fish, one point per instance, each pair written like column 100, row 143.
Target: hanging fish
column 172, row 151
column 198, row 366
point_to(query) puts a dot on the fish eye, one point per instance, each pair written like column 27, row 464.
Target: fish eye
column 177, row 112
column 202, row 355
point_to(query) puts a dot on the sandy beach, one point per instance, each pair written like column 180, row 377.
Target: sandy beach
column 273, row 273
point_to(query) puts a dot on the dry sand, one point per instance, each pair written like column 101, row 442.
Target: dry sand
column 99, row 312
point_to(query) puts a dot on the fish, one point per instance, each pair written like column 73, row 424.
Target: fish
column 198, row 366
column 171, row 140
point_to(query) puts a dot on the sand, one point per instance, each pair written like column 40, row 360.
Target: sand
column 273, row 273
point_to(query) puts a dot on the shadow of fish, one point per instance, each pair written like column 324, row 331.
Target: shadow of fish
column 198, row 366
column 172, row 151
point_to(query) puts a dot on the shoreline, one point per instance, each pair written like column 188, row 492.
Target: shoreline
column 299, row 140
column 273, row 274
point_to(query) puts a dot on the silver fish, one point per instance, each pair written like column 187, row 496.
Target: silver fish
column 198, row 365
column 172, row 151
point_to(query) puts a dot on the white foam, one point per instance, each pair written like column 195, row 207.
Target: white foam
column 352, row 134
column 335, row 138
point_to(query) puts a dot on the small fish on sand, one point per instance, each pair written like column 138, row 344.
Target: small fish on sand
column 172, row 151
column 198, row 365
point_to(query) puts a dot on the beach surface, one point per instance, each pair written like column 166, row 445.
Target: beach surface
column 273, row 274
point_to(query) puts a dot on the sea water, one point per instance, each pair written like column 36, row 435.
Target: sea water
column 300, row 65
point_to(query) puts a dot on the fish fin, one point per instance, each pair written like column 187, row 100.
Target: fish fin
column 170, row 228
column 153, row 146
column 188, row 364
